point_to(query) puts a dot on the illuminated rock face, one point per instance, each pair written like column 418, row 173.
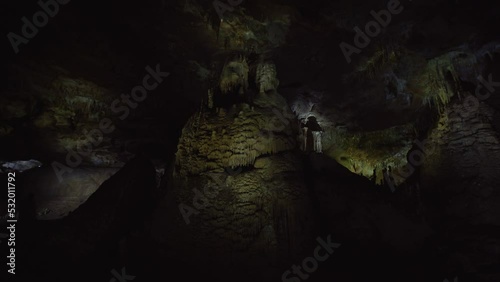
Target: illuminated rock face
column 235, row 137
column 238, row 171
column 238, row 189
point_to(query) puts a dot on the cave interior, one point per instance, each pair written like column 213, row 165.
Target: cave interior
column 196, row 140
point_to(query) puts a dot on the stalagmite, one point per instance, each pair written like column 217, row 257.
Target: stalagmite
column 317, row 141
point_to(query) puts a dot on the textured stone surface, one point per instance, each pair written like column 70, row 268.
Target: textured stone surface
column 236, row 136
column 239, row 170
